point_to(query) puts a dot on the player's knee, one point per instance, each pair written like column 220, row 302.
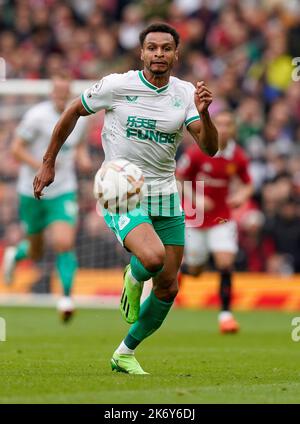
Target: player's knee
column 225, row 267
column 224, row 262
column 62, row 245
column 153, row 260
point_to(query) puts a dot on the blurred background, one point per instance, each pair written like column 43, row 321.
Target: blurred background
column 243, row 50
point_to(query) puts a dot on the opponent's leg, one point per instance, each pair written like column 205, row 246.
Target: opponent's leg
column 222, row 241
column 224, row 264
column 195, row 251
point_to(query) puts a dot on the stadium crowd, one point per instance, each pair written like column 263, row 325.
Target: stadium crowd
column 242, row 50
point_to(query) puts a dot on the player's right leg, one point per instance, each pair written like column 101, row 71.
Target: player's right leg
column 154, row 309
column 146, row 262
column 157, row 305
column 32, row 218
column 136, row 233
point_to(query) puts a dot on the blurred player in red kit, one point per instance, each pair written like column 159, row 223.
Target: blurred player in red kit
column 216, row 233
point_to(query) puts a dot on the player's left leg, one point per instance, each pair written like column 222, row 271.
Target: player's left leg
column 223, row 244
column 61, row 219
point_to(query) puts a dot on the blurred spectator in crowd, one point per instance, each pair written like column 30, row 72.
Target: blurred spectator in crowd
column 256, row 248
column 284, row 228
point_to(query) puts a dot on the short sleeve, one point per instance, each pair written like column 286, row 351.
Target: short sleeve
column 192, row 113
column 99, row 96
column 28, row 127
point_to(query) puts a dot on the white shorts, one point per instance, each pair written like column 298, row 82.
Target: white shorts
column 199, row 243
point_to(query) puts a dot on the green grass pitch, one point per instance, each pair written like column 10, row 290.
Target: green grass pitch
column 44, row 361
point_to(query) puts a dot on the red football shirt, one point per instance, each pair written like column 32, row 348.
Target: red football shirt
column 216, row 173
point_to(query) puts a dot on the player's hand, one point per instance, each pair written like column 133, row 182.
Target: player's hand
column 43, row 178
column 203, row 97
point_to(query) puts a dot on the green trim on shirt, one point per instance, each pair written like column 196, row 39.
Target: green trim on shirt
column 85, row 105
column 149, row 85
column 192, row 119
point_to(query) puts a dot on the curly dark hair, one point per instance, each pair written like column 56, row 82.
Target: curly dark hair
column 159, row 27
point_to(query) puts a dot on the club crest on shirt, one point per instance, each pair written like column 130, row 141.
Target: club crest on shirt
column 177, row 102
column 231, row 168
column 132, row 99
column 123, row 221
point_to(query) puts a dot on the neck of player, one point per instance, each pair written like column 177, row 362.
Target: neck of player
column 157, row 80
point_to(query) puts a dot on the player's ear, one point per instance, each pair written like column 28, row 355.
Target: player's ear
column 176, row 54
column 142, row 54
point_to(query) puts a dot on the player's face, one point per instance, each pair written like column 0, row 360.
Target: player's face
column 226, row 128
column 61, row 94
column 159, row 52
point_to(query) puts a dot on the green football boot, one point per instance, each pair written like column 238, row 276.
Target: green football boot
column 127, row 364
column 130, row 299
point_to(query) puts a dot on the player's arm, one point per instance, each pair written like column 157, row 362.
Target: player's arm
column 20, row 152
column 204, row 131
column 62, row 130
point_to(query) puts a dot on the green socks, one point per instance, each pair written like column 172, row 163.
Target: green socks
column 139, row 272
column 22, row 250
column 152, row 314
column 66, row 264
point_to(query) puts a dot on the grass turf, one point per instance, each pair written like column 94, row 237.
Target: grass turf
column 44, row 361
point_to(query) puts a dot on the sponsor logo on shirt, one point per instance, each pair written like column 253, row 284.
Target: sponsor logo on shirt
column 145, row 129
column 231, row 168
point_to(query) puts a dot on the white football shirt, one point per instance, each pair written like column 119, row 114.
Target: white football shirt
column 36, row 129
column 143, row 123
